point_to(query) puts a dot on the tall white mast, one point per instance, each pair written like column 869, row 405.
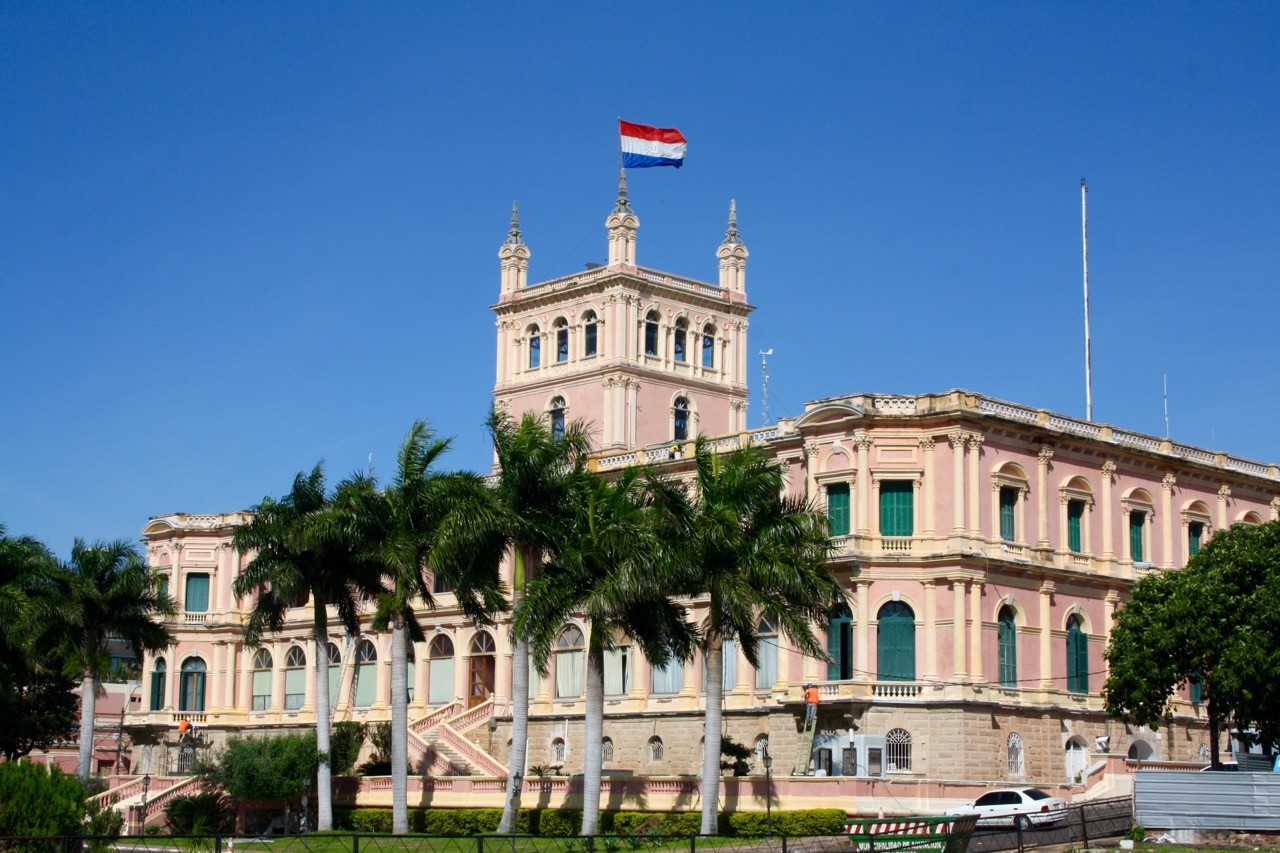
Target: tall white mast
column 1088, row 353
column 764, row 383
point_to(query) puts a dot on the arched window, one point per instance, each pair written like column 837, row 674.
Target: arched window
column 617, row 671
column 1137, row 521
column 681, row 338
column 561, row 328
column 191, row 686
column 651, row 333
column 655, row 749
column 557, row 751
column 668, row 678
column 761, row 748
column 680, row 426
column 898, row 744
column 482, row 644
column 1077, row 656
column 335, row 675
column 1016, row 756
column 708, row 346
column 262, row 665
column 535, row 347
column 557, row 417
column 840, row 644
column 767, row 655
column 158, row 671
column 590, row 329
column 606, row 749
column 570, row 656
column 1007, row 638
column 896, row 643
column 1076, row 758
column 440, row 670
column 366, row 673
column 295, row 679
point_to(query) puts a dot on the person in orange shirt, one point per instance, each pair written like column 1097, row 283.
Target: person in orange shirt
column 810, row 703
column 183, row 727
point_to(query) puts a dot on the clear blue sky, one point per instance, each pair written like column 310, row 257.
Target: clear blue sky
column 238, row 238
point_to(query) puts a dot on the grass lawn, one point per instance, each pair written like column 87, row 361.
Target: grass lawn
column 341, row 842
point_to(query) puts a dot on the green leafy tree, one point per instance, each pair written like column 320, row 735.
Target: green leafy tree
column 609, row 568
column 530, row 505
column 39, row 801
column 348, row 737
column 278, row 767
column 397, row 529
column 104, row 592
column 294, row 556
column 754, row 555
column 1214, row 621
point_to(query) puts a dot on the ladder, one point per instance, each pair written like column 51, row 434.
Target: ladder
column 804, row 756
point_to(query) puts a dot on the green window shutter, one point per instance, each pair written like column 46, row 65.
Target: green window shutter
column 1136, row 519
column 366, row 683
column 1194, row 531
column 1008, row 506
column 896, row 508
column 1077, row 658
column 196, row 597
column 164, row 586
column 838, row 509
column 896, row 643
column 1075, row 518
column 1196, row 683
column 157, row 690
column 1007, row 635
column 840, row 645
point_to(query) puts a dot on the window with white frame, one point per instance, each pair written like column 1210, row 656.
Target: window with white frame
column 440, row 670
column 668, row 678
column 651, row 333
column 655, row 749
column 1195, row 524
column 590, row 333
column 617, row 671
column 606, row 750
column 898, row 743
column 535, row 346
column 262, row 666
column 1137, row 510
column 557, row 751
column 680, row 340
column 1009, row 491
column 570, row 657
column 295, row 678
column 766, row 655
column 561, row 330
column 680, row 419
column 1076, row 500
column 366, row 678
column 556, row 412
column 1016, row 756
column 708, row 346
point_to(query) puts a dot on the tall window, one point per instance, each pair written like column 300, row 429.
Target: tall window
column 767, row 655
column 1016, row 756
column 651, row 333
column 668, row 678
column 1137, row 520
column 440, row 670
column 1077, row 656
column 557, row 417
column 1195, row 531
column 535, row 347
column 681, row 337
column 262, row 664
column 655, row 749
column 570, row 657
column 1075, row 526
column 335, row 675
column 191, row 686
column 162, row 584
column 295, row 679
column 896, row 643
column 898, row 742
column 728, row 665
column 897, row 517
column 562, row 341
column 1008, row 511
column 557, row 751
column 1007, row 637
column 838, row 509
column 840, row 644
column 1195, row 688
column 366, row 673
column 410, row 668
column 158, row 672
column 617, row 671
column 196, row 597
column 708, row 346
column 681, row 419
column 606, row 749
column 589, row 329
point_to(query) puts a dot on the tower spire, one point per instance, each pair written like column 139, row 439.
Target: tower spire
column 514, row 238
column 733, row 255
column 623, row 205
column 731, row 236
column 622, row 224
column 513, row 256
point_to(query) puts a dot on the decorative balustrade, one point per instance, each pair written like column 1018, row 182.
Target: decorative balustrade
column 1008, row 410
column 179, row 716
column 479, row 759
column 472, row 718
column 435, row 718
column 762, row 435
column 195, row 618
column 895, row 405
column 132, row 789
column 897, row 544
column 155, row 805
column 1081, row 561
column 686, row 283
column 897, row 690
column 1011, row 549
column 1186, row 451
column 1134, row 439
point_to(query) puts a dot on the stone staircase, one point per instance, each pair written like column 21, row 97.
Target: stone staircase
column 438, row 745
column 128, row 797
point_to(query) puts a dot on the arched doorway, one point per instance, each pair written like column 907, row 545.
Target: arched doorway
column 1077, row 757
column 896, row 643
column 482, row 668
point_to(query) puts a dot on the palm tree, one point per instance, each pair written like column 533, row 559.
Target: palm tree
column 24, row 562
column 290, row 560
column 105, row 592
column 754, row 555
column 609, row 568
column 529, row 507
column 397, row 530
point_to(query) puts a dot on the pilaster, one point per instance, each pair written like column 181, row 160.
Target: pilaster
column 1042, row 498
column 1047, row 590
column 1166, row 520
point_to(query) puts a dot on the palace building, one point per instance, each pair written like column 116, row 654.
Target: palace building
column 984, row 547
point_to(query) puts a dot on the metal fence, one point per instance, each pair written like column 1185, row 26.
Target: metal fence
column 1084, row 824
column 1247, row 802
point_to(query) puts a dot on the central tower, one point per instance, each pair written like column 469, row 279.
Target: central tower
column 644, row 357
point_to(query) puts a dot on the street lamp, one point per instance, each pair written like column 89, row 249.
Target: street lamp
column 146, row 784
column 767, row 759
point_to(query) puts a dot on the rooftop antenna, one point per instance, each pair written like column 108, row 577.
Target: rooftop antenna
column 764, row 383
column 370, row 464
column 1166, row 405
column 1088, row 355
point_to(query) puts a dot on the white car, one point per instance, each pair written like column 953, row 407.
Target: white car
column 1023, row 807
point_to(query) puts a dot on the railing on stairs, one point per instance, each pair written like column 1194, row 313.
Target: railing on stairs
column 471, row 718
column 478, row 758
column 155, row 805
column 131, row 789
column 434, row 718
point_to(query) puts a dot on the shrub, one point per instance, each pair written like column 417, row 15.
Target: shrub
column 560, row 822
column 806, row 822
column 344, row 746
column 35, row 800
column 264, row 768
column 366, row 820
column 205, row 813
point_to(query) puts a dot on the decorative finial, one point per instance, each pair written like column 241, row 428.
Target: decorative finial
column 731, row 235
column 623, row 205
column 514, row 237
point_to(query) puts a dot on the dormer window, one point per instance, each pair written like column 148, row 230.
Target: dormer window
column 681, row 419
column 651, row 333
column 589, row 327
column 681, row 336
column 709, row 346
column 535, row 348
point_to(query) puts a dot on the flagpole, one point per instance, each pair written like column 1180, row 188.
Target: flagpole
column 1088, row 354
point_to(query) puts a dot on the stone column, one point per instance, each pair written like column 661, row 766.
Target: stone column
column 1042, row 497
column 1109, row 604
column 421, row 663
column 930, row 501
column 382, row 672
column 229, row 680
column 216, row 663
column 811, row 470
column 278, row 651
column 501, row 679
column 958, row 670
column 309, row 673
column 1108, row 522
column 862, row 442
column 975, row 631
column 1046, row 636
column 462, row 677
column 975, row 495
column 862, row 648
column 930, row 629
column 957, row 482
column 1166, row 520
column 1224, row 495
column 246, row 679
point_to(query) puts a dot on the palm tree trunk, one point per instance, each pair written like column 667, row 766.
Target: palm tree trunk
column 88, row 697
column 324, row 770
column 519, row 735
column 711, row 741
column 399, row 728
column 593, row 730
